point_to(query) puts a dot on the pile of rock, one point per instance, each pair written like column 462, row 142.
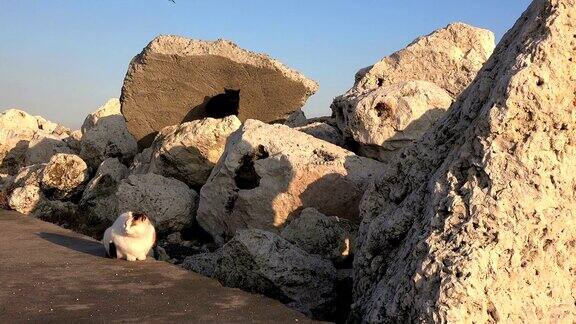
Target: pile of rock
column 422, row 218
column 396, row 100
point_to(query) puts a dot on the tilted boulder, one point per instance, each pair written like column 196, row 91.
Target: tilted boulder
column 99, row 204
column 105, row 135
column 394, row 101
column 173, row 79
column 188, row 152
column 269, row 173
column 265, row 263
column 64, row 176
column 476, row 222
column 169, row 202
column 330, row 237
column 203, row 263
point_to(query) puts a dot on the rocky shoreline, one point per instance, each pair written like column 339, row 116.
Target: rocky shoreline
column 440, row 189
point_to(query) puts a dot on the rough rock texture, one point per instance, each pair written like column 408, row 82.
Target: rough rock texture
column 25, row 199
column 388, row 97
column 390, row 117
column 296, row 119
column 324, row 132
column 169, row 202
column 105, row 134
column 202, row 263
column 64, row 176
column 475, row 223
column 27, row 140
column 188, row 152
column 316, row 233
column 269, row 173
column 99, row 204
column 174, row 78
column 263, row 262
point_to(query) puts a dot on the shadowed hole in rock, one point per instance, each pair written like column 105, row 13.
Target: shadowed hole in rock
column 383, row 110
column 246, row 176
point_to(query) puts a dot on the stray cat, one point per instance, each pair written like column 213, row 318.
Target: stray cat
column 223, row 104
column 130, row 237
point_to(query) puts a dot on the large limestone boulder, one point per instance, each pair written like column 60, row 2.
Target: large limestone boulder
column 27, row 140
column 64, row 176
column 99, row 204
column 476, row 222
column 105, row 135
column 397, row 99
column 169, row 202
column 329, row 237
column 265, row 263
column 174, row 78
column 188, row 152
column 269, row 173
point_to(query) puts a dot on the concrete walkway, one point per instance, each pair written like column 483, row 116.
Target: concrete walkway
column 49, row 274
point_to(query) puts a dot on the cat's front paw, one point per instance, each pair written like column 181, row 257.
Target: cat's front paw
column 130, row 258
column 142, row 258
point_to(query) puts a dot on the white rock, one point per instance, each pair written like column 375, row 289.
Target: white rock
column 316, row 233
column 25, row 199
column 64, row 176
column 188, row 152
column 169, row 202
column 105, row 134
column 270, row 172
column 263, row 262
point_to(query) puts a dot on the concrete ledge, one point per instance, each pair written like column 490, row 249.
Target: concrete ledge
column 50, row 274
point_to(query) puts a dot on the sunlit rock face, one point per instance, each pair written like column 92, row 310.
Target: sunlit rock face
column 176, row 79
column 105, row 135
column 269, row 173
column 26, row 140
column 475, row 222
column 394, row 101
column 188, row 152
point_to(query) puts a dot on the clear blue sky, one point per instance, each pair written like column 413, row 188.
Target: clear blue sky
column 62, row 59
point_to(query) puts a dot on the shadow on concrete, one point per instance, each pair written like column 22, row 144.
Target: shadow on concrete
column 75, row 243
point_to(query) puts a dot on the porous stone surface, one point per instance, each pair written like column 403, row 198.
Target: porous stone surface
column 263, row 262
column 390, row 117
column 316, row 233
column 64, row 176
column 99, row 204
column 25, row 199
column 173, row 79
column 105, row 134
column 269, row 173
column 188, row 152
column 169, row 202
column 395, row 100
column 323, row 131
column 202, row 263
column 27, row 140
column 475, row 222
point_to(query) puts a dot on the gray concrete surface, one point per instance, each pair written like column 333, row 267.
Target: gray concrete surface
column 52, row 275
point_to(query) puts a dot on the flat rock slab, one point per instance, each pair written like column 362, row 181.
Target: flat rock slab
column 174, row 79
column 50, row 274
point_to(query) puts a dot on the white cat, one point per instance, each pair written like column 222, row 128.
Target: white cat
column 130, row 237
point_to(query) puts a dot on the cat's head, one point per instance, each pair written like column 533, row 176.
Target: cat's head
column 140, row 223
column 232, row 92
